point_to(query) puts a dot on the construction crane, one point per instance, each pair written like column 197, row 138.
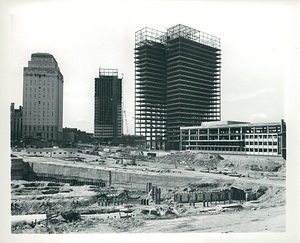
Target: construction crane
column 124, row 111
column 126, row 121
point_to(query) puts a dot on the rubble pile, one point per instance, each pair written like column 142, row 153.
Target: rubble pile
column 190, row 159
column 273, row 197
column 253, row 163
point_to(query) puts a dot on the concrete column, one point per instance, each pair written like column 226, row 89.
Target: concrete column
column 159, row 195
column 109, row 178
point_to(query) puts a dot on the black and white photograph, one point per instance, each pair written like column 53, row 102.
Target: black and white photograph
column 150, row 121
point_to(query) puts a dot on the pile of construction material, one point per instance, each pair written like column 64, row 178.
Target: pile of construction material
column 253, row 163
column 240, row 162
column 190, row 159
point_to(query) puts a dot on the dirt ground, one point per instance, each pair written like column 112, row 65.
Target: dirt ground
column 101, row 209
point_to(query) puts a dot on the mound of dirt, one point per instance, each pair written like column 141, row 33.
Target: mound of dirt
column 253, row 163
column 239, row 162
column 190, row 159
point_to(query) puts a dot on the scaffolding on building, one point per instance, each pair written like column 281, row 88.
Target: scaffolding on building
column 177, row 82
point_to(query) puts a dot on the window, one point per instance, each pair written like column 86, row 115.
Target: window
column 54, row 152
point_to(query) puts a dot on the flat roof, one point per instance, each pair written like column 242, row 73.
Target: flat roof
column 230, row 124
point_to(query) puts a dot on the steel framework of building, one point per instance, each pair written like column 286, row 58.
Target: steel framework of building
column 108, row 122
column 150, row 87
column 177, row 82
column 193, row 80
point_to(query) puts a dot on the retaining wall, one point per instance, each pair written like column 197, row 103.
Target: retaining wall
column 115, row 178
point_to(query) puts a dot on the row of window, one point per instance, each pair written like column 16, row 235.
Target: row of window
column 43, row 128
column 260, row 143
column 35, row 81
column 53, row 152
column 254, row 150
column 35, row 103
column 232, row 137
column 272, row 129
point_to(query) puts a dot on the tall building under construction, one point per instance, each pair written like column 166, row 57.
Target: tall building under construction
column 177, row 83
column 42, row 98
column 108, row 126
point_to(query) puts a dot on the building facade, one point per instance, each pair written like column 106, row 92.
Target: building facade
column 42, row 98
column 236, row 138
column 16, row 117
column 108, row 124
column 177, row 83
column 73, row 136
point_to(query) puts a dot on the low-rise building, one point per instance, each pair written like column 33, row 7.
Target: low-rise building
column 232, row 137
column 53, row 152
column 65, row 153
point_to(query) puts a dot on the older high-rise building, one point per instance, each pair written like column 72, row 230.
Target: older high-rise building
column 108, row 124
column 177, row 83
column 42, row 98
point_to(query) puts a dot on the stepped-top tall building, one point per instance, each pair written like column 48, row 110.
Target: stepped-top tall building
column 108, row 124
column 177, row 83
column 42, row 98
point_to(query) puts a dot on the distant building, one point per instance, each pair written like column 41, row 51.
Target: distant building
column 16, row 117
column 108, row 125
column 42, row 98
column 69, row 135
column 74, row 136
column 177, row 83
column 236, row 138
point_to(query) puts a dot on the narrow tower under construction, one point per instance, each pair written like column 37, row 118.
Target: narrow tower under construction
column 177, row 83
column 108, row 125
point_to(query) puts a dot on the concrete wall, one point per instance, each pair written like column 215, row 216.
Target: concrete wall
column 69, row 171
column 139, row 181
column 17, row 168
column 224, row 194
column 114, row 178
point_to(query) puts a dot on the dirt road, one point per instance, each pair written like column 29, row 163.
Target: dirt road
column 262, row 220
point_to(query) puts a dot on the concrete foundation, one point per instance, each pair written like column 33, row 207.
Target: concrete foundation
column 78, row 175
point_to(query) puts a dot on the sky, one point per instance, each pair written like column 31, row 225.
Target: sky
column 85, row 35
